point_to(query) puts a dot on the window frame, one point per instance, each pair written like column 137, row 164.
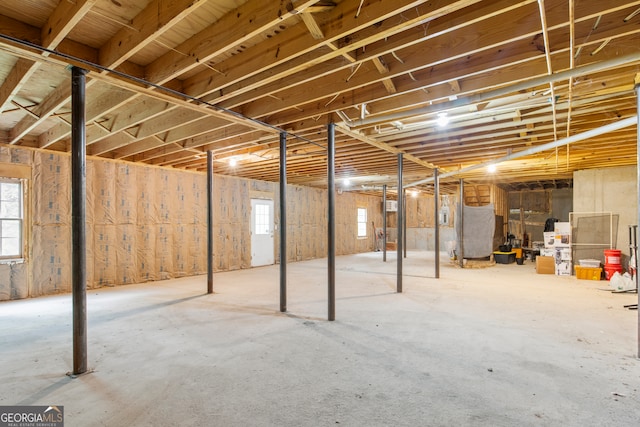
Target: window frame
column 20, row 256
column 361, row 222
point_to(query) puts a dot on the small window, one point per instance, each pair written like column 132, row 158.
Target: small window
column 362, row 222
column 11, row 215
column 262, row 219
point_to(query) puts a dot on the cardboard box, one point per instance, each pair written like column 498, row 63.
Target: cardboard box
column 562, row 235
column 549, row 239
column 545, row 265
column 563, row 261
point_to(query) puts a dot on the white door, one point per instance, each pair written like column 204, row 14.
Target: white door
column 262, row 251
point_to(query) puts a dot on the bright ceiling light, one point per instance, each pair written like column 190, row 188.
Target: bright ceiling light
column 491, row 168
column 414, row 193
column 233, row 162
column 346, row 182
column 442, row 120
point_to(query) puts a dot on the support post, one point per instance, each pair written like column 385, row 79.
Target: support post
column 209, row 222
column 637, row 89
column 400, row 227
column 78, row 219
column 331, row 243
column 283, row 222
column 461, row 222
column 436, row 210
column 384, row 222
column 404, row 223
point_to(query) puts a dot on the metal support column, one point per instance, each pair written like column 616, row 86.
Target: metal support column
column 78, row 219
column 209, row 222
column 404, row 223
column 436, row 243
column 400, row 217
column 331, row 238
column 283, row 222
column 384, row 223
column 637, row 88
column 461, row 222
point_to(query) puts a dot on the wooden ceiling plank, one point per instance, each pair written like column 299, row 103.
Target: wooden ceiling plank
column 158, row 17
column 65, row 16
column 462, row 53
column 247, row 21
column 368, row 29
column 63, row 19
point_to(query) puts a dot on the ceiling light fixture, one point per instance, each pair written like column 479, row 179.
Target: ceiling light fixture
column 442, row 119
column 491, row 168
column 233, row 162
column 346, row 182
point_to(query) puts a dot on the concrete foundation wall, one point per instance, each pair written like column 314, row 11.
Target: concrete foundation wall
column 609, row 190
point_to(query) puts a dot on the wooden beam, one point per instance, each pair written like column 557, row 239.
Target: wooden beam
column 381, row 145
column 158, row 17
column 19, row 74
column 63, row 19
column 312, row 26
column 249, row 20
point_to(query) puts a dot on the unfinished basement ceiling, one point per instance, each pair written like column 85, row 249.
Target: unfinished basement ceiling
column 383, row 71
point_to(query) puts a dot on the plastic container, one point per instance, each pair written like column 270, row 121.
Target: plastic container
column 588, row 273
column 589, row 263
column 612, row 257
column 612, row 262
column 504, row 257
column 610, row 270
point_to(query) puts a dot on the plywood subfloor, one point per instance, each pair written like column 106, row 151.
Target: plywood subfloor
column 499, row 346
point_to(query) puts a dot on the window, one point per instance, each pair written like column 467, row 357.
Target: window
column 262, row 219
column 10, row 218
column 362, row 222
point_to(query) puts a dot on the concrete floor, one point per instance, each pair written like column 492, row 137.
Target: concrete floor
column 499, row 346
